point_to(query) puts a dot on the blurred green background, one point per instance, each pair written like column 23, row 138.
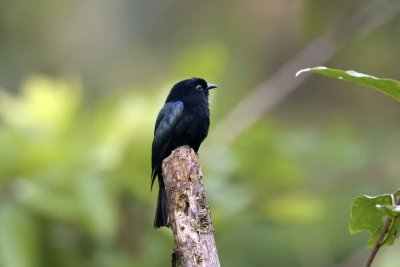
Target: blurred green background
column 82, row 83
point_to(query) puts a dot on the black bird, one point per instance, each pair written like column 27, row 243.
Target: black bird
column 183, row 120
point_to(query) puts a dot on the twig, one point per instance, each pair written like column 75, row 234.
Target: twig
column 189, row 214
column 389, row 221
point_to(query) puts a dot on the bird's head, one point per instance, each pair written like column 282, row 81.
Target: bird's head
column 193, row 89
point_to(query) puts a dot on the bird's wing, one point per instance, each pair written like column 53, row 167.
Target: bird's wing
column 168, row 117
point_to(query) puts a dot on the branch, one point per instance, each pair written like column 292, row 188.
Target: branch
column 389, row 222
column 188, row 210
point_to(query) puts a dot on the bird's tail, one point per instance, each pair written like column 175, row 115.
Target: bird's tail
column 161, row 218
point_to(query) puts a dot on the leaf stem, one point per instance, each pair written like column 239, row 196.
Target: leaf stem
column 381, row 238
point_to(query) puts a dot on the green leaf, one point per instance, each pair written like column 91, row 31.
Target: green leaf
column 393, row 232
column 387, row 86
column 390, row 210
column 367, row 213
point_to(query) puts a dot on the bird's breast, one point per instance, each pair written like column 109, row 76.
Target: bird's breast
column 193, row 127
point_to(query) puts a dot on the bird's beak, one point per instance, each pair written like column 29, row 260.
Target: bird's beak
column 211, row 86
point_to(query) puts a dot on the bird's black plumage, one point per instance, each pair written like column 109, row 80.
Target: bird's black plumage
column 183, row 120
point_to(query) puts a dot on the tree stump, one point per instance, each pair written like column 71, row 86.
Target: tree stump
column 189, row 215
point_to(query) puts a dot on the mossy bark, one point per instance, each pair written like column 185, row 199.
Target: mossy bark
column 189, row 215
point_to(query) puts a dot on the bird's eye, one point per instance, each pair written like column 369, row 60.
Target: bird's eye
column 199, row 88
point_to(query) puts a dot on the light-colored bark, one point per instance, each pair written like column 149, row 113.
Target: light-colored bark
column 189, row 214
